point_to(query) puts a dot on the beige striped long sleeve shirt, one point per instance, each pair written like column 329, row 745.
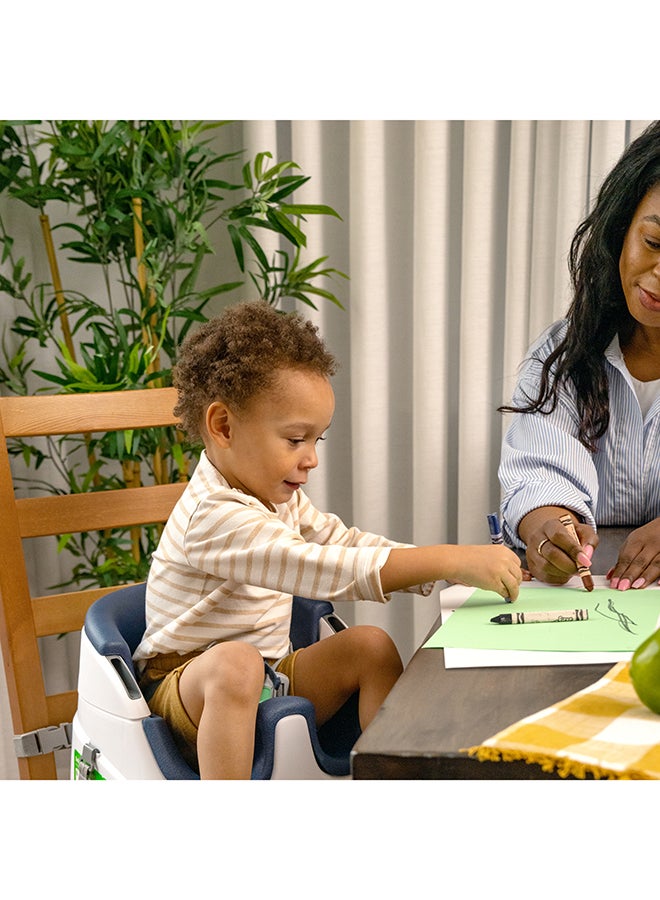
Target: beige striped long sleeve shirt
column 227, row 567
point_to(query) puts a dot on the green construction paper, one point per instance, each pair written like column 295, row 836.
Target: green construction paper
column 634, row 616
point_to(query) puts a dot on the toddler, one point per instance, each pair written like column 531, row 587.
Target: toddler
column 254, row 385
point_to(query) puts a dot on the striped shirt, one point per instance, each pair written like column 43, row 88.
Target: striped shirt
column 227, row 567
column 544, row 464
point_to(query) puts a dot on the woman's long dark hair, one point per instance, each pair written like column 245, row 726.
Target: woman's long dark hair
column 598, row 310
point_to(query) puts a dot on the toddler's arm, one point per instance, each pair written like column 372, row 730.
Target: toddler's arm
column 490, row 567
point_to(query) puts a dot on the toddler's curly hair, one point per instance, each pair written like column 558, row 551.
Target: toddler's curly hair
column 238, row 354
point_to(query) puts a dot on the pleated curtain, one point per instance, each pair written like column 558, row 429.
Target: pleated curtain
column 455, row 236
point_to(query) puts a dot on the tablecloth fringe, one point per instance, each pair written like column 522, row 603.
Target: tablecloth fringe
column 563, row 767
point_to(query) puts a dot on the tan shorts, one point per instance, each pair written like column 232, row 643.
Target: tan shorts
column 165, row 671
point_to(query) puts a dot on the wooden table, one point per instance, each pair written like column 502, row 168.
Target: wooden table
column 433, row 714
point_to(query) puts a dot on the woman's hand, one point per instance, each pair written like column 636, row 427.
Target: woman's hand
column 638, row 564
column 552, row 554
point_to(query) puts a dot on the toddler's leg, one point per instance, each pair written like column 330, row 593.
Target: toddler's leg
column 220, row 690
column 362, row 657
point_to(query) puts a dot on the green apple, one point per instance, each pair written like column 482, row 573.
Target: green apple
column 645, row 671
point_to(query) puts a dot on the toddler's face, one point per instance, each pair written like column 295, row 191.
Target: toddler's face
column 272, row 445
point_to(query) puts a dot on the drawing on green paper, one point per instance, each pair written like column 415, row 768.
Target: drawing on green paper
column 624, row 621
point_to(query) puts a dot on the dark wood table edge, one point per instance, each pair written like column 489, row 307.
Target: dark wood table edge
column 449, row 767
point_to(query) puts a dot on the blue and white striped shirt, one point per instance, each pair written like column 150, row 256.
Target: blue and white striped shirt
column 544, row 464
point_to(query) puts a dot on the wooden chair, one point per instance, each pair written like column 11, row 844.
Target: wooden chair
column 40, row 720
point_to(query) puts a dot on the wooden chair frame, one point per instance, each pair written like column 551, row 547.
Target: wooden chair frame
column 24, row 618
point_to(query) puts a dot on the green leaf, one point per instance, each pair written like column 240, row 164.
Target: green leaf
column 63, row 541
column 319, row 292
column 247, row 176
column 286, row 227
column 237, row 245
column 303, row 209
column 80, row 373
column 208, row 293
column 258, row 164
column 189, row 281
column 297, row 295
column 275, row 170
column 286, row 186
column 255, row 246
column 223, row 185
column 6, row 248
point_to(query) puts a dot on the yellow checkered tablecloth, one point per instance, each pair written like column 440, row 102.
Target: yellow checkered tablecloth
column 603, row 731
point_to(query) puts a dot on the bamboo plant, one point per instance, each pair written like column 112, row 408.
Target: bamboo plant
column 138, row 201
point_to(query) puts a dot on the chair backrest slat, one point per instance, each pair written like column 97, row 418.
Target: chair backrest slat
column 66, row 513
column 36, row 415
column 61, row 613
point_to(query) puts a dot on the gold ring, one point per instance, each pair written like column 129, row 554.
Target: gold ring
column 544, row 541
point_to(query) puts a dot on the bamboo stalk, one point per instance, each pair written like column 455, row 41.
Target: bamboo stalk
column 127, row 471
column 136, row 203
column 61, row 307
column 131, row 473
column 136, row 530
column 57, row 283
column 159, row 468
column 185, row 468
column 149, row 297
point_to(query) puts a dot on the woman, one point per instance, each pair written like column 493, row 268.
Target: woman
column 585, row 437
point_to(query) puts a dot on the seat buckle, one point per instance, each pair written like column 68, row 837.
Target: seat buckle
column 43, row 740
column 276, row 684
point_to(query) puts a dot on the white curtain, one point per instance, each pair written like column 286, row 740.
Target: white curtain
column 455, row 236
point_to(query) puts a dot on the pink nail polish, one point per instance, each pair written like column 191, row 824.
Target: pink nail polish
column 624, row 584
column 638, row 583
column 614, row 583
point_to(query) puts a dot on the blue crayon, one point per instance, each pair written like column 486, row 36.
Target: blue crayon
column 496, row 536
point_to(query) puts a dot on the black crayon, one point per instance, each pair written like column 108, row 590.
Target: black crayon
column 554, row 615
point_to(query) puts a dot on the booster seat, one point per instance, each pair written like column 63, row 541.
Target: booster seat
column 115, row 735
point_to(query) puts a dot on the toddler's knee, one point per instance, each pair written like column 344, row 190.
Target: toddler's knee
column 378, row 647
column 238, row 670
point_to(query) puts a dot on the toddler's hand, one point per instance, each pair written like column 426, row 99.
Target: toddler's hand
column 490, row 567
